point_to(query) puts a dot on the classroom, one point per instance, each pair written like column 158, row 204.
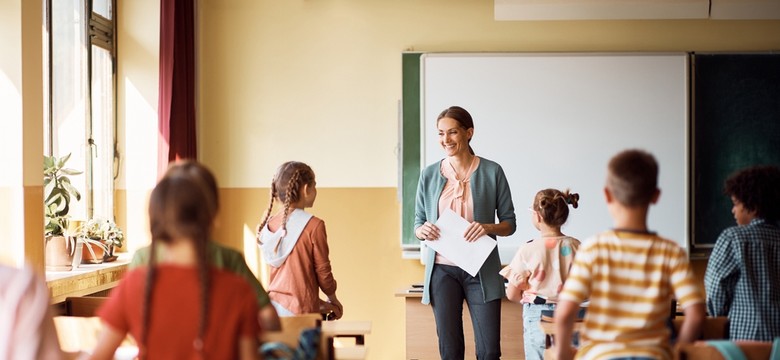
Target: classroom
column 317, row 81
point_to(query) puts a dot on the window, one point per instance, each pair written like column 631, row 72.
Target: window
column 81, row 109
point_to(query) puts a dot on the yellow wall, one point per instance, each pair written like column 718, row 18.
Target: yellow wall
column 319, row 81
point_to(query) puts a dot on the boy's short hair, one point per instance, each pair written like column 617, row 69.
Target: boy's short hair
column 632, row 177
column 758, row 189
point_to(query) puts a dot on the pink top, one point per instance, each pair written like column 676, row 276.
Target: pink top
column 540, row 267
column 456, row 196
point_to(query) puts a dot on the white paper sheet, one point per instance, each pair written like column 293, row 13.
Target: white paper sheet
column 469, row 256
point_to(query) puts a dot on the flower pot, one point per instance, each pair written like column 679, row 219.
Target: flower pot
column 92, row 257
column 58, row 253
column 109, row 256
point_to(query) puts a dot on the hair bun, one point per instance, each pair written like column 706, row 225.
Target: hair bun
column 573, row 199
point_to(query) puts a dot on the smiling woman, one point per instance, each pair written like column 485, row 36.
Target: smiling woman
column 477, row 190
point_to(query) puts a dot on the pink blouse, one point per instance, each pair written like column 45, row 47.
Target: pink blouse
column 456, row 196
column 540, row 267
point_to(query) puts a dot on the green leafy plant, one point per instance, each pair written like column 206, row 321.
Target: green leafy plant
column 101, row 229
column 58, row 193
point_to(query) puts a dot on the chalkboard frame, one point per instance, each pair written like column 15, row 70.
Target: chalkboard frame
column 735, row 123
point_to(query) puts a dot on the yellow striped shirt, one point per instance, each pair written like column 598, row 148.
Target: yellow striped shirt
column 630, row 279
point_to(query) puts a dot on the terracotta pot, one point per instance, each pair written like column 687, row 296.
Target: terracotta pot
column 86, row 256
column 58, row 253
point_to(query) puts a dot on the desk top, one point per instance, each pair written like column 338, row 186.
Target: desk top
column 345, row 327
column 409, row 292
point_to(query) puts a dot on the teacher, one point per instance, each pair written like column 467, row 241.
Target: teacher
column 476, row 189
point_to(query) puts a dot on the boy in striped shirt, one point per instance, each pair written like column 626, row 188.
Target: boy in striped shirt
column 630, row 275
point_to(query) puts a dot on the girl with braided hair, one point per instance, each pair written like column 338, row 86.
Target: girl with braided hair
column 180, row 306
column 295, row 245
column 539, row 268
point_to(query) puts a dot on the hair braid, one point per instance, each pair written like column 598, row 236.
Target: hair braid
column 291, row 195
column 146, row 306
column 267, row 212
column 205, row 286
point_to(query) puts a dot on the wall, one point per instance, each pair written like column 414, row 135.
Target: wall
column 318, row 81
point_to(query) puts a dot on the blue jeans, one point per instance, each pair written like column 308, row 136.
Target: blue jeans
column 450, row 285
column 533, row 336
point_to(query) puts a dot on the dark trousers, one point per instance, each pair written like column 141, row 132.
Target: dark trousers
column 450, row 285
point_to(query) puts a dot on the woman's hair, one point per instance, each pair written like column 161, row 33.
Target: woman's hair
column 460, row 115
column 553, row 205
column 758, row 189
column 183, row 205
column 286, row 188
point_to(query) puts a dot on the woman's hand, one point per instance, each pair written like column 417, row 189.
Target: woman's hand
column 427, row 231
column 474, row 231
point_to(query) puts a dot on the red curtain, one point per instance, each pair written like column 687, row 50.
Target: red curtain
column 176, row 111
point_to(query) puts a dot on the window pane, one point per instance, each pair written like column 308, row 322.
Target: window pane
column 102, row 133
column 102, row 7
column 69, row 92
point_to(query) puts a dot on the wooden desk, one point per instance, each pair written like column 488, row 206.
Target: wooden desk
column 422, row 342
column 352, row 329
column 86, row 279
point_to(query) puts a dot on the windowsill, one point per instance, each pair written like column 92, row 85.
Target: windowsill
column 86, row 279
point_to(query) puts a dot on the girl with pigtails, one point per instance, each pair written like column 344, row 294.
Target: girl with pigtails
column 180, row 306
column 539, row 268
column 295, row 245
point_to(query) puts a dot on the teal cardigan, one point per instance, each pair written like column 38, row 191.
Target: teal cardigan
column 491, row 196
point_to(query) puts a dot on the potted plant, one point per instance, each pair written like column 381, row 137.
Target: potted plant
column 114, row 238
column 100, row 236
column 60, row 246
column 91, row 235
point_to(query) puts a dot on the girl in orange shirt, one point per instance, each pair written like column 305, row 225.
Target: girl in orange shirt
column 294, row 243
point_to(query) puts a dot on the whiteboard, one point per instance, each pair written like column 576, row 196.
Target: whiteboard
column 554, row 121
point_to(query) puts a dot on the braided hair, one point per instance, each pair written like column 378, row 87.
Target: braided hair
column 183, row 205
column 553, row 205
column 286, row 188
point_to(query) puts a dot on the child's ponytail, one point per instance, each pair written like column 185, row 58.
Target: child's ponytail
column 553, row 205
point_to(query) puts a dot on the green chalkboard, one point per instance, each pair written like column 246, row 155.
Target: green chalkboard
column 410, row 146
column 735, row 124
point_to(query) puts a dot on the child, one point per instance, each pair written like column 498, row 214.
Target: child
column 742, row 280
column 539, row 268
column 629, row 274
column 295, row 245
column 221, row 257
column 181, row 307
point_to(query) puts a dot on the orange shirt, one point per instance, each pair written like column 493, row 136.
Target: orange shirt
column 175, row 312
column 297, row 282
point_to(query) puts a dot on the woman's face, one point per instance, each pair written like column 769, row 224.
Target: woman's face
column 453, row 138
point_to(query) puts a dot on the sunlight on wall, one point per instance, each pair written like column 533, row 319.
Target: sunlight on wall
column 252, row 255
column 10, row 131
column 140, row 162
column 140, row 134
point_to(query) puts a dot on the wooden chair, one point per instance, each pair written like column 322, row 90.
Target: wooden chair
column 83, row 305
column 80, row 334
column 714, row 328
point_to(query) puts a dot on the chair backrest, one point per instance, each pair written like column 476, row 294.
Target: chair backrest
column 292, row 326
column 714, row 328
column 83, row 305
column 79, row 333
